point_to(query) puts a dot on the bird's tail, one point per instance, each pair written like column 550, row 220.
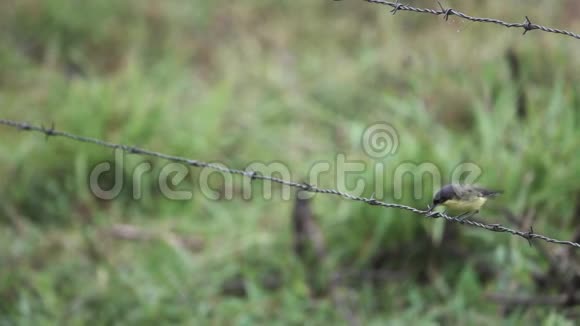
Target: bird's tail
column 491, row 193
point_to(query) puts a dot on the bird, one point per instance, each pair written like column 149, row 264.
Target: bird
column 465, row 199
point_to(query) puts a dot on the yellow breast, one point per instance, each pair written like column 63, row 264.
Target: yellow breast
column 470, row 205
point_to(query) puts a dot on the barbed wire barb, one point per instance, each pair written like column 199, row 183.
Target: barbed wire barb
column 528, row 235
column 527, row 25
column 254, row 175
column 446, row 12
column 396, row 7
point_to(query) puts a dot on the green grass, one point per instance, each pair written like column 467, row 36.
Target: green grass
column 293, row 82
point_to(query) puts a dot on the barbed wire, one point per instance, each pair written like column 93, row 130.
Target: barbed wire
column 254, row 175
column 527, row 25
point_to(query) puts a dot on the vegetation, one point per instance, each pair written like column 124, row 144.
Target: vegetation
column 295, row 82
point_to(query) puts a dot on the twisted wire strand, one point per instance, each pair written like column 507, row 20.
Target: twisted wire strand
column 51, row 132
column 527, row 25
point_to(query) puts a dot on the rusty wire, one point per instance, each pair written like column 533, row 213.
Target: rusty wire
column 253, row 175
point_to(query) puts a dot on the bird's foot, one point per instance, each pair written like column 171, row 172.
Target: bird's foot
column 461, row 217
column 433, row 213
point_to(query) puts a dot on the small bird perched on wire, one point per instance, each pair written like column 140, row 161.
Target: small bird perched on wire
column 465, row 199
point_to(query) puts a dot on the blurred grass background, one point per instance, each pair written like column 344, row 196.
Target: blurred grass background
column 295, row 82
